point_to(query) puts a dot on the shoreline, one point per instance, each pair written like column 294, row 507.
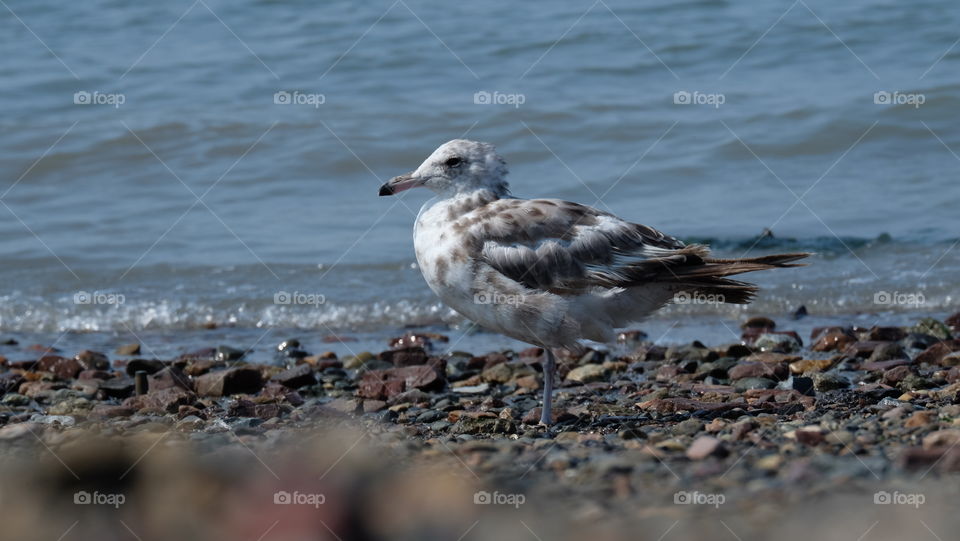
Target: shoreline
column 261, row 341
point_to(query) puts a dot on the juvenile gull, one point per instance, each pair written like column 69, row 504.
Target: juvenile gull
column 546, row 271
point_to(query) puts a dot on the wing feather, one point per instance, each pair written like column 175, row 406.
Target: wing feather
column 558, row 245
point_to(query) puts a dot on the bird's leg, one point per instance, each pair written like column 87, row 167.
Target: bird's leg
column 548, row 372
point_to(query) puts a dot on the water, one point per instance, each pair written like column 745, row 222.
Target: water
column 102, row 199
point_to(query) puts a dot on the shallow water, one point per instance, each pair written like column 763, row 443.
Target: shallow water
column 103, row 198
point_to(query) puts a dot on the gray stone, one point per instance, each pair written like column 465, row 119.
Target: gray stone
column 747, row 384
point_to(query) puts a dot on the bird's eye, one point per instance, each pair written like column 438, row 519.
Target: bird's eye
column 453, row 162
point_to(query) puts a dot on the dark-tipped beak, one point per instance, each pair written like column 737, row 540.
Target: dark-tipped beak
column 400, row 183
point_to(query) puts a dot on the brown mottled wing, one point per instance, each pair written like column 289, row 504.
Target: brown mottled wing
column 556, row 245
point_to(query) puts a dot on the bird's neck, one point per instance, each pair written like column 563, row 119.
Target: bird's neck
column 466, row 201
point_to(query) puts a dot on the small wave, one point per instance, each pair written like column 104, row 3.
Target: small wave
column 36, row 315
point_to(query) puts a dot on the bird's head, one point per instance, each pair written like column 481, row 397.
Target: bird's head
column 458, row 166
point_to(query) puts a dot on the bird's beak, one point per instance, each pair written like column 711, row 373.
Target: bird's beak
column 400, row 183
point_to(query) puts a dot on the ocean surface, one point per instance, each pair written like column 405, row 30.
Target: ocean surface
column 169, row 166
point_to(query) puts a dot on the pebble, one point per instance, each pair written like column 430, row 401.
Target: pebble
column 829, row 382
column 62, row 420
column 92, row 360
column 950, row 360
column 811, row 365
column 688, row 427
column 440, row 426
column 692, row 352
column 771, row 463
column 587, row 373
column 229, row 381
column 802, row 384
column 191, row 422
column 747, row 384
column 942, row 438
column 356, row 361
column 15, row 400
column 811, row 436
column 705, row 446
column 937, row 351
column 887, row 352
column 28, row 429
column 298, row 376
column 71, row 406
column 756, row 369
column 778, row 343
column 472, row 389
column 631, row 337
column 429, row 416
column 837, row 340
column 920, row 418
column 168, row 400
column 932, row 327
column 476, row 424
column 407, row 356
column 227, row 353
column 759, row 322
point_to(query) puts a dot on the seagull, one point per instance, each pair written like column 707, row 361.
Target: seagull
column 549, row 272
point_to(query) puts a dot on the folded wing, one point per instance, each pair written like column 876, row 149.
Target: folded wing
column 568, row 248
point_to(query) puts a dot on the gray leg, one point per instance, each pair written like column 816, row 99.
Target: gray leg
column 548, row 373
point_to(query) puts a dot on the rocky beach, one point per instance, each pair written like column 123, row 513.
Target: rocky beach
column 766, row 434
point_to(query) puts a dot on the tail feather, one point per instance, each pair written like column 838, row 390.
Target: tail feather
column 721, row 289
column 771, row 261
column 731, row 267
column 690, row 270
column 710, row 277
